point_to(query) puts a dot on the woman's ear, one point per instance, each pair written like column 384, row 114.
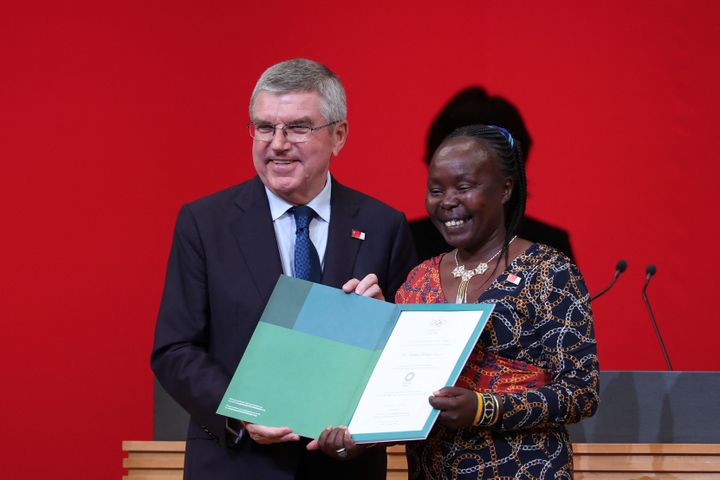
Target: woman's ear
column 507, row 190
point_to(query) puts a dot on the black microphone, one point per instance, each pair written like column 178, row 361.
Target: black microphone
column 620, row 267
column 650, row 270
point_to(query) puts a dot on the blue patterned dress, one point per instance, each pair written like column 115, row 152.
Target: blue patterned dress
column 537, row 352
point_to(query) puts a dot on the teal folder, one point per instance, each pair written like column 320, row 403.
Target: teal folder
column 314, row 351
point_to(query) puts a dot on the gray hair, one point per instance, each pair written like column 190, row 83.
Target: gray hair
column 302, row 75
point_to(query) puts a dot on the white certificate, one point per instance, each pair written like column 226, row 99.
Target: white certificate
column 423, row 351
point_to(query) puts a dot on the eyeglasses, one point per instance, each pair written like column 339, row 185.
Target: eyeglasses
column 264, row 132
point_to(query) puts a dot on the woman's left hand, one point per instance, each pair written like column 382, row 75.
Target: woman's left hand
column 336, row 443
column 457, row 406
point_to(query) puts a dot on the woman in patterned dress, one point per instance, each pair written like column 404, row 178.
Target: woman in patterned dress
column 535, row 367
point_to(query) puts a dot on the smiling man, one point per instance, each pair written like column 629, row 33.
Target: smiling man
column 228, row 251
column 292, row 167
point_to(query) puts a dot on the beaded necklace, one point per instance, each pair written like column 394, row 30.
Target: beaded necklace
column 467, row 275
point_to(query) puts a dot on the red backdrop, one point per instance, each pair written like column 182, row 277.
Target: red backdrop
column 113, row 115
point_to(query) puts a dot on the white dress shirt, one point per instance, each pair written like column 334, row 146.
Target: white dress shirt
column 284, row 224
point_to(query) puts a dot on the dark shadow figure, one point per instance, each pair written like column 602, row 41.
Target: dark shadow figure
column 618, row 418
column 473, row 106
column 666, row 427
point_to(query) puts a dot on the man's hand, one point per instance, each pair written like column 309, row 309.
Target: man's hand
column 457, row 406
column 267, row 435
column 367, row 287
column 336, row 443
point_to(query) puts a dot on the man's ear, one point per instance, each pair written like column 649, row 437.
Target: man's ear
column 339, row 136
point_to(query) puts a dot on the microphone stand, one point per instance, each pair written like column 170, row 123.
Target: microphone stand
column 619, row 268
column 650, row 272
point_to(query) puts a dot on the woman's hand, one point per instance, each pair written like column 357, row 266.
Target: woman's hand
column 336, row 443
column 457, row 406
column 367, row 287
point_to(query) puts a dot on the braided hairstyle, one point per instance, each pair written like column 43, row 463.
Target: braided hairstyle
column 509, row 153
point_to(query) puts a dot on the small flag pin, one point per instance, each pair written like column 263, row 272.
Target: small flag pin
column 513, row 279
column 358, row 234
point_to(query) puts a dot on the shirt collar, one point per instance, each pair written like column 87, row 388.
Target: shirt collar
column 321, row 203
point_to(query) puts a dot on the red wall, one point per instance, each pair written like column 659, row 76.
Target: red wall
column 113, row 113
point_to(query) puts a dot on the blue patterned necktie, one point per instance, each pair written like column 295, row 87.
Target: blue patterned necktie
column 307, row 262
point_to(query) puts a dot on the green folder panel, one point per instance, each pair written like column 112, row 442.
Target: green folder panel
column 298, row 387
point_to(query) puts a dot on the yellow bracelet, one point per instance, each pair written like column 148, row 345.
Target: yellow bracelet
column 488, row 410
column 479, row 411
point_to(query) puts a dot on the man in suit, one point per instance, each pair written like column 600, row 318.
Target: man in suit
column 228, row 251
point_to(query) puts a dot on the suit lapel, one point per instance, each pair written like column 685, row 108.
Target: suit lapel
column 255, row 235
column 342, row 249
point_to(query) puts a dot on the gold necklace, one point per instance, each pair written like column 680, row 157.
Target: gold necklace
column 467, row 275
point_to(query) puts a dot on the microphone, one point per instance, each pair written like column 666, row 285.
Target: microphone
column 620, row 267
column 650, row 271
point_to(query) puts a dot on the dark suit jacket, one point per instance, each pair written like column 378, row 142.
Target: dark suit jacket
column 223, row 265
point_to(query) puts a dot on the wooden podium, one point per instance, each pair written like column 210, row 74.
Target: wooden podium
column 650, row 425
column 163, row 460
